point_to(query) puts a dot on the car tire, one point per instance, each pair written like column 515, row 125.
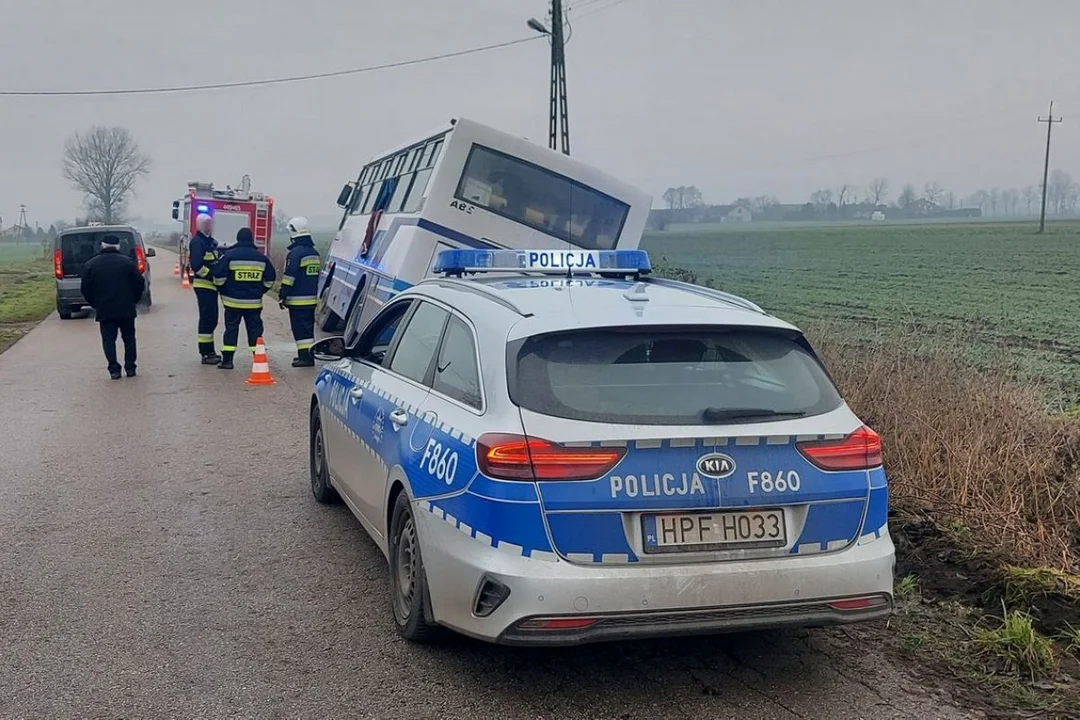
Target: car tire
column 63, row 311
column 410, row 601
column 318, row 470
column 149, row 300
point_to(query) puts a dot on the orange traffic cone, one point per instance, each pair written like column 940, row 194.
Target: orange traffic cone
column 260, row 368
column 176, row 269
column 186, row 283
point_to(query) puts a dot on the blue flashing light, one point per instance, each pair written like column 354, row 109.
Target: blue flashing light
column 547, row 262
column 203, row 208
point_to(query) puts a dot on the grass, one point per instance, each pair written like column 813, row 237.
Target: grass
column 1018, row 645
column 27, row 293
column 1008, row 291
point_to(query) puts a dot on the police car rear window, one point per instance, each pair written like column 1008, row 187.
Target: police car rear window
column 665, row 376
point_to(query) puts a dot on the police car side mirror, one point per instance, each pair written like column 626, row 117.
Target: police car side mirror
column 329, row 349
column 345, row 195
column 151, row 252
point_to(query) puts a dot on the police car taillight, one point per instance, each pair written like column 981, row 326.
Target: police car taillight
column 860, row 450
column 58, row 265
column 140, row 259
column 516, row 457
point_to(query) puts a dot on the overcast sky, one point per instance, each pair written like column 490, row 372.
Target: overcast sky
column 738, row 97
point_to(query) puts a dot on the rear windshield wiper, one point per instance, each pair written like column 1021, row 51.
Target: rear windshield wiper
column 713, row 414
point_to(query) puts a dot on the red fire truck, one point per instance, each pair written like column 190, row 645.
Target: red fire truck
column 231, row 209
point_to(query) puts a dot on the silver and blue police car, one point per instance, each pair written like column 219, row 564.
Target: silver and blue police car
column 552, row 447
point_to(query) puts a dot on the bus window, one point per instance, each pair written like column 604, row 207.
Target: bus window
column 399, row 162
column 414, row 158
column 400, row 192
column 434, row 155
column 372, row 193
column 358, row 194
column 416, row 192
column 541, row 199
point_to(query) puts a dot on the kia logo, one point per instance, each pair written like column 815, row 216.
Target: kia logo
column 715, row 465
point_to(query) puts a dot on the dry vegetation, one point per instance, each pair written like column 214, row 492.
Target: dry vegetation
column 974, row 448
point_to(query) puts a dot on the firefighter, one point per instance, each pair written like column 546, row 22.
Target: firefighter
column 203, row 253
column 243, row 275
column 299, row 289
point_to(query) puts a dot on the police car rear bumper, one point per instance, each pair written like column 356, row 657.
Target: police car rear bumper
column 562, row 603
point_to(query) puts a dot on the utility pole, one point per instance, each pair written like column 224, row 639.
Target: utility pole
column 1049, row 120
column 558, row 119
column 21, row 232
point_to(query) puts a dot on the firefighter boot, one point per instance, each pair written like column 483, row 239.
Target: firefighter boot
column 303, row 359
column 211, row 359
column 226, row 361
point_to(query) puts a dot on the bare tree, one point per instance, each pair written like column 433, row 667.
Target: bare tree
column 877, row 191
column 1058, row 188
column 995, row 199
column 933, row 192
column 104, row 164
column 682, row 197
column 763, row 203
column 949, row 200
column 822, row 199
column 1009, row 199
column 671, row 197
column 842, row 194
column 907, row 196
column 979, row 198
column 1031, row 194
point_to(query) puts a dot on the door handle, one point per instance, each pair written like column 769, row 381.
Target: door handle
column 399, row 418
column 356, row 393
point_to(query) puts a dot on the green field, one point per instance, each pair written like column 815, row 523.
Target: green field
column 26, row 291
column 1000, row 290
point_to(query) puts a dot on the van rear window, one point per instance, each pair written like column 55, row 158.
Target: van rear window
column 77, row 248
column 670, row 376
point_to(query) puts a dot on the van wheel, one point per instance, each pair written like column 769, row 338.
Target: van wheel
column 408, row 581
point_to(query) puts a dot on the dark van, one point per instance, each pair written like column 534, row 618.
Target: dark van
column 75, row 246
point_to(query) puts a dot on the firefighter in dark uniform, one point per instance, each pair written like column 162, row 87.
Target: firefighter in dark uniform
column 243, row 275
column 299, row 289
column 202, row 254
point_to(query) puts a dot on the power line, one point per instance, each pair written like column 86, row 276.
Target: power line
column 595, row 10
column 1049, row 120
column 268, row 81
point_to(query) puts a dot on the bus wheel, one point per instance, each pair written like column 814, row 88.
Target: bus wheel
column 326, row 318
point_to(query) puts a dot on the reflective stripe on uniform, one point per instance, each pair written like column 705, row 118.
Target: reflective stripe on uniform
column 246, row 265
column 301, row 300
column 241, row 304
column 219, row 281
column 287, row 281
column 209, row 256
column 203, row 284
column 268, row 283
column 305, row 344
column 228, row 348
column 204, row 271
column 206, row 338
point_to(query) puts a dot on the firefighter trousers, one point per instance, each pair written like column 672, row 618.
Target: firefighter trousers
column 208, row 319
column 302, row 321
column 253, row 324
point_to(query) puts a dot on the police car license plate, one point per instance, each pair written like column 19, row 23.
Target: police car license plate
column 703, row 531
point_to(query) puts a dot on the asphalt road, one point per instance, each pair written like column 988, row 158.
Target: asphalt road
column 161, row 556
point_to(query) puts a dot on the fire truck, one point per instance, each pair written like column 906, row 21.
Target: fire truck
column 231, row 209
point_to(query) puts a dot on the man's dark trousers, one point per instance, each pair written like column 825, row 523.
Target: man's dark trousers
column 208, row 319
column 253, row 323
column 126, row 328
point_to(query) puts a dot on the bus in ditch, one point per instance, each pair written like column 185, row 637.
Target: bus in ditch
column 464, row 185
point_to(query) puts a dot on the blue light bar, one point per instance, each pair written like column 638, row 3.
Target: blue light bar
column 203, row 208
column 547, row 262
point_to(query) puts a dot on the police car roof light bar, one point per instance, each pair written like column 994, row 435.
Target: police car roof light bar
column 545, row 262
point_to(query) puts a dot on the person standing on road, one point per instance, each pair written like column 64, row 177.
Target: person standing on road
column 112, row 285
column 243, row 275
column 202, row 254
column 299, row 289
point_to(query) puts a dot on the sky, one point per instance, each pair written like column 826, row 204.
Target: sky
column 737, row 97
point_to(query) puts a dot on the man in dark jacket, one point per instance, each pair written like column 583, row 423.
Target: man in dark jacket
column 112, row 285
column 202, row 254
column 299, row 289
column 243, row 275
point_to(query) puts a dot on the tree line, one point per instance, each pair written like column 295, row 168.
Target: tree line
column 848, row 201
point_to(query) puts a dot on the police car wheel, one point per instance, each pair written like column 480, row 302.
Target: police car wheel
column 320, row 475
column 408, row 581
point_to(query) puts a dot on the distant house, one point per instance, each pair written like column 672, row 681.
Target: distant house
column 877, row 215
column 727, row 213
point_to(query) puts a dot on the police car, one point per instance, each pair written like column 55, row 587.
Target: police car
column 552, row 447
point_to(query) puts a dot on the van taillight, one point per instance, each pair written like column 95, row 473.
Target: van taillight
column 861, row 450
column 516, row 457
column 58, row 264
column 140, row 259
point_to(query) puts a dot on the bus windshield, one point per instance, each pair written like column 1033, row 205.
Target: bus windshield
column 541, row 199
